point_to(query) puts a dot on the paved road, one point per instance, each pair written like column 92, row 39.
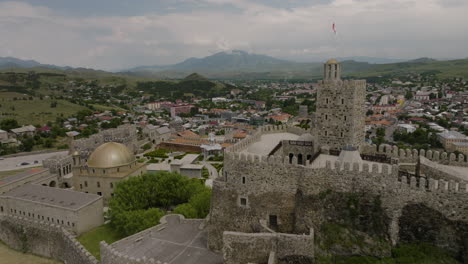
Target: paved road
column 11, row 163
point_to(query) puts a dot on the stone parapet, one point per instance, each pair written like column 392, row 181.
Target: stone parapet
column 412, row 155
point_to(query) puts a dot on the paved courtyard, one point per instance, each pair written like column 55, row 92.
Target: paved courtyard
column 268, row 142
column 176, row 243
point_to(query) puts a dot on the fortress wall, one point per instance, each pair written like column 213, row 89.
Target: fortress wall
column 125, row 134
column 411, row 155
column 43, row 239
column 272, row 179
column 257, row 247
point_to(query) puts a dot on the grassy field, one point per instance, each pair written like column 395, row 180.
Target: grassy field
column 34, row 111
column 91, row 239
column 10, row 256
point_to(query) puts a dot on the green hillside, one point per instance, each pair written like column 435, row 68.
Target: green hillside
column 442, row 69
column 32, row 110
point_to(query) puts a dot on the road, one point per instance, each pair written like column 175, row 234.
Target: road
column 11, row 163
column 213, row 173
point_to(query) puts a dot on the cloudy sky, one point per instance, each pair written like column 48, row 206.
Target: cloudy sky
column 116, row 34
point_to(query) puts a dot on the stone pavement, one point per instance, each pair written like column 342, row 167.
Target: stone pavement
column 268, row 142
column 176, row 243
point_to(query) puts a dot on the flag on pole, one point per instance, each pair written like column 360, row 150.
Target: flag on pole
column 334, row 28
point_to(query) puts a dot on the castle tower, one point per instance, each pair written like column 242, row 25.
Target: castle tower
column 340, row 109
column 332, row 70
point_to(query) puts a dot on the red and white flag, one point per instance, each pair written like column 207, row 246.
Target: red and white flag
column 334, row 28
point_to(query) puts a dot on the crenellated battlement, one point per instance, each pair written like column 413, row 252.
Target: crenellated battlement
column 61, row 244
column 433, row 185
column 411, row 155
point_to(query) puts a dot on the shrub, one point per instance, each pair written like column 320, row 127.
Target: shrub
column 139, row 202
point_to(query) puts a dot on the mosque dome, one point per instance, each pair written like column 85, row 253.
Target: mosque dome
column 332, row 61
column 306, row 137
column 109, row 155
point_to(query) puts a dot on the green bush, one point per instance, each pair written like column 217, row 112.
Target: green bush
column 139, row 202
column 159, row 153
column 216, row 158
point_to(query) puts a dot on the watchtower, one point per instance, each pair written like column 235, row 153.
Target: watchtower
column 340, row 109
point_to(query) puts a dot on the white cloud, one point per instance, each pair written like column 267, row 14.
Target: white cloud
column 397, row 28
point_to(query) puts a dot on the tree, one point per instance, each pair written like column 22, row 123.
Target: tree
column 9, row 124
column 27, row 144
column 409, row 95
column 140, row 201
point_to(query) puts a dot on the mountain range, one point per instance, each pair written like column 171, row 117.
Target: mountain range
column 239, row 64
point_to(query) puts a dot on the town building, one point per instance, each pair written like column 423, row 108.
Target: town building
column 448, row 138
column 76, row 211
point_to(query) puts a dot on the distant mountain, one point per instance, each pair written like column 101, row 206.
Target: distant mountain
column 221, row 61
column 195, row 77
column 10, row 62
column 371, row 60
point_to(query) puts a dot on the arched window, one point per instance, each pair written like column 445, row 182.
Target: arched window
column 290, row 157
column 243, row 180
column 299, row 159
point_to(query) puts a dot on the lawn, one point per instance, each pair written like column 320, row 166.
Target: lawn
column 11, row 256
column 35, row 111
column 91, row 239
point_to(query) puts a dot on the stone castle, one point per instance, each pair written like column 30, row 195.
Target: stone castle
column 288, row 182
column 281, row 189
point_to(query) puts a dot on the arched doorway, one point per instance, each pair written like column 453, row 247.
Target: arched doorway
column 52, row 184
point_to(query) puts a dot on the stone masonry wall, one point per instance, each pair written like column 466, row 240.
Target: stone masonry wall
column 257, row 247
column 270, row 185
column 43, row 239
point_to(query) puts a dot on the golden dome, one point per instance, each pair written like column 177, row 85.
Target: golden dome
column 332, row 61
column 110, row 155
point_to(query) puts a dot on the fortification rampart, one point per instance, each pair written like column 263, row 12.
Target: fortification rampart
column 43, row 239
column 411, row 155
column 125, row 134
column 252, row 186
column 265, row 247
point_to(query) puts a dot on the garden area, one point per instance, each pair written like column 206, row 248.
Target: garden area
column 140, row 202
